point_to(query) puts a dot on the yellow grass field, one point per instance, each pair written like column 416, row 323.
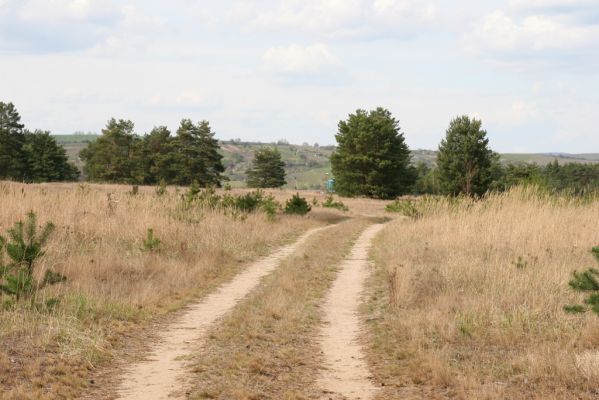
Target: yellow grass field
column 114, row 286
column 467, row 301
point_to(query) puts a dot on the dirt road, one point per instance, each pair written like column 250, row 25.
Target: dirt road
column 163, row 375
column 346, row 375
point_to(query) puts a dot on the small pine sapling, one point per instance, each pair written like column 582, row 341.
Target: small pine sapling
column 24, row 249
column 161, row 188
column 331, row 203
column 297, row 205
column 588, row 282
column 151, row 242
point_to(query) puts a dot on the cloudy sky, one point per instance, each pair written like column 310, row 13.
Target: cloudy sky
column 266, row 70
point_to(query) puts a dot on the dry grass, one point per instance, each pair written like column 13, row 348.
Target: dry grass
column 266, row 348
column 467, row 302
column 114, row 285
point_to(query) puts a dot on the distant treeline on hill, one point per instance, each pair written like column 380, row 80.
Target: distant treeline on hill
column 192, row 154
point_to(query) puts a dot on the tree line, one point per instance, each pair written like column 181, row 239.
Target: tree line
column 373, row 160
column 121, row 156
column 28, row 156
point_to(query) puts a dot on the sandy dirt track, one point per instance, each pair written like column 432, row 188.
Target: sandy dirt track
column 346, row 374
column 163, row 374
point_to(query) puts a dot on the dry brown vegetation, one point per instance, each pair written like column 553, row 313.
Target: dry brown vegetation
column 266, row 348
column 115, row 286
column 468, row 300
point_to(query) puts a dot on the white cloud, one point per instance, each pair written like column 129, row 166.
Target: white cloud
column 536, row 33
column 342, row 17
column 299, row 60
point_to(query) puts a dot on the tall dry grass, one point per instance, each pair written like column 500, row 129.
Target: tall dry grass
column 468, row 301
column 113, row 282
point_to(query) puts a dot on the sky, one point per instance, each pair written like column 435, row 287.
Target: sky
column 291, row 69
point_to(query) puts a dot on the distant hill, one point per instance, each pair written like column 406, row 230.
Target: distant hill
column 307, row 166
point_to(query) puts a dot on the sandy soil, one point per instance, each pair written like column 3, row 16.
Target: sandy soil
column 346, row 374
column 164, row 373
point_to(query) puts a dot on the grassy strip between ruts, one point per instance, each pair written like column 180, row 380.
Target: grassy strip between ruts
column 266, row 349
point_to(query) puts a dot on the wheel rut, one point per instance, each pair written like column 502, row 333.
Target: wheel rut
column 346, row 374
column 164, row 373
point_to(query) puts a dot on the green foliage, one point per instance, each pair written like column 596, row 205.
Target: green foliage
column 45, row 160
column 331, row 203
column 268, row 170
column 270, row 206
column 586, row 281
column 249, row 202
column 151, row 242
column 297, row 205
column 426, row 179
column 121, row 156
column 406, row 207
column 372, row 158
column 227, row 187
column 24, row 248
column 465, row 161
column 30, row 156
column 161, row 189
column 193, row 192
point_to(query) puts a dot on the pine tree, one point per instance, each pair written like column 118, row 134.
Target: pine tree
column 12, row 138
column 197, row 157
column 465, row 161
column 114, row 156
column 46, row 161
column 268, row 169
column 372, row 158
column 588, row 282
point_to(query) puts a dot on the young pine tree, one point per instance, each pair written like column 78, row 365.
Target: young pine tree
column 465, row 161
column 268, row 169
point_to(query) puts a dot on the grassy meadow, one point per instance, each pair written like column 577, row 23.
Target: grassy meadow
column 467, row 300
column 115, row 287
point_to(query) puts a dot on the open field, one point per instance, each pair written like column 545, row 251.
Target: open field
column 467, row 301
column 114, row 287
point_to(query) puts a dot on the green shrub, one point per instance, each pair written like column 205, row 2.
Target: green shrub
column 249, row 202
column 297, row 205
column 587, row 282
column 404, row 207
column 331, row 203
column 270, row 206
column 192, row 192
column 227, row 187
column 24, row 249
column 151, row 242
column 161, row 188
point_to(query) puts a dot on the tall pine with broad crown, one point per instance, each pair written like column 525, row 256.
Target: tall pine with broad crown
column 112, row 157
column 465, row 162
column 46, row 161
column 197, row 156
column 30, row 156
column 12, row 138
column 268, row 169
column 372, row 158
